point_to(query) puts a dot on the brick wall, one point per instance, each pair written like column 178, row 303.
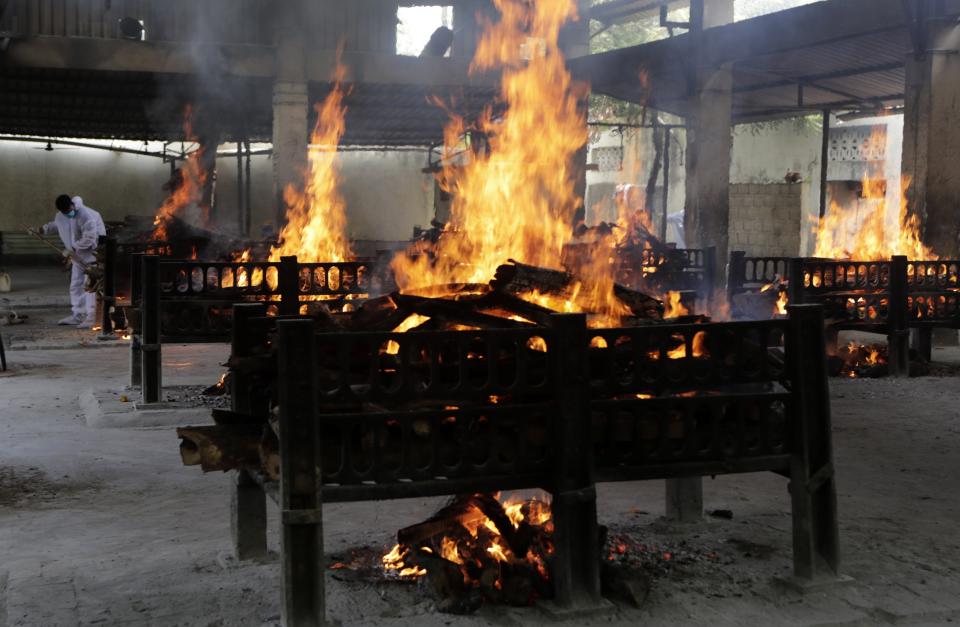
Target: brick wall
column 765, row 218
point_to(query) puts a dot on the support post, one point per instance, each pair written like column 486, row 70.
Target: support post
column 109, row 297
column 288, row 283
column 684, row 499
column 242, row 339
column 301, row 502
column 576, row 561
column 736, row 273
column 667, row 139
column 795, row 293
column 898, row 334
column 136, row 298
column 931, row 136
column 710, row 274
column 709, row 125
column 150, row 323
column 248, row 518
column 824, row 162
column 922, row 341
column 813, row 489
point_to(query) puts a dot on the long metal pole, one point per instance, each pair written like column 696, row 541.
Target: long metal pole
column 240, row 210
column 667, row 138
column 824, row 162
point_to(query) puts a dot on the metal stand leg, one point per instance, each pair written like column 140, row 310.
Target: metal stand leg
column 302, row 565
column 812, row 486
column 922, row 341
column 136, row 362
column 248, row 518
column 576, row 539
column 150, row 339
column 898, row 343
column 685, row 499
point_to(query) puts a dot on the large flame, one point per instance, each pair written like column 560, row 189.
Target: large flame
column 514, row 197
column 886, row 229
column 316, row 229
column 190, row 191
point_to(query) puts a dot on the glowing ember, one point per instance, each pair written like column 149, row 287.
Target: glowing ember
column 189, row 189
column 698, row 348
column 861, row 359
column 316, row 228
column 392, row 347
column 513, row 196
column 486, row 551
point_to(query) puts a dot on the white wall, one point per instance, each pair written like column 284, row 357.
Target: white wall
column 765, row 156
column 115, row 184
column 386, row 193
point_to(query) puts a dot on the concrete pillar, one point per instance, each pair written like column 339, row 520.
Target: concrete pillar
column 290, row 133
column 248, row 518
column 575, row 42
column 290, row 100
column 685, row 499
column 709, row 145
column 707, row 206
column 931, row 138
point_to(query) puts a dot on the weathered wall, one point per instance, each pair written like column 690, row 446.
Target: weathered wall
column 765, row 218
column 764, row 155
column 387, row 194
column 113, row 183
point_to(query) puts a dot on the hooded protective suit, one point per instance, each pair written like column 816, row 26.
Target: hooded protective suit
column 79, row 235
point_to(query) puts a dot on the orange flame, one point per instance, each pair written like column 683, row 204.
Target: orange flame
column 514, row 197
column 781, row 306
column 887, row 229
column 674, row 308
column 189, row 192
column 316, row 228
column 465, row 550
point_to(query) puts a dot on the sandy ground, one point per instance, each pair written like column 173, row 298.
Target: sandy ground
column 105, row 527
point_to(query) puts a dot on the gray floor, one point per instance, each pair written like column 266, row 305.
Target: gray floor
column 105, row 527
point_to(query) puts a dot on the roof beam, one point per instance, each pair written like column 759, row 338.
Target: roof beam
column 811, row 79
column 793, row 29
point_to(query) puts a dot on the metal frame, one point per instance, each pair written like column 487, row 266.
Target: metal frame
column 190, row 301
column 579, row 412
column 898, row 297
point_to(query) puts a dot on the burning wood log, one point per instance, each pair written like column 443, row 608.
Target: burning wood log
column 221, row 447
column 499, row 552
column 517, row 279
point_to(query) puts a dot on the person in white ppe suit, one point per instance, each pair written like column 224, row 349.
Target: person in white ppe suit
column 80, row 228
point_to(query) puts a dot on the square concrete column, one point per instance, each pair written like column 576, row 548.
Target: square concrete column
column 290, row 99
column 931, row 137
column 709, row 140
column 290, row 110
column 707, row 208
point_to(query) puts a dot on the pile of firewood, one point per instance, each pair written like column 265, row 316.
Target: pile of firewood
column 240, row 441
column 471, row 552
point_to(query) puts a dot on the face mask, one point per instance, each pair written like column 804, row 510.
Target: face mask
column 72, row 213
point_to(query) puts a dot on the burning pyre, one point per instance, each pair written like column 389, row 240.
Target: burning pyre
column 316, row 229
column 479, row 548
column 186, row 190
column 854, row 360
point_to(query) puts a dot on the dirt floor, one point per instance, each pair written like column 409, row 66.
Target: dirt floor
column 105, row 527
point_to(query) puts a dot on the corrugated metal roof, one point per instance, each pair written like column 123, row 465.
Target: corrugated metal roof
column 143, row 106
column 844, row 54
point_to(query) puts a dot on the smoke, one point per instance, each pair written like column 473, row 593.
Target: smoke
column 223, row 106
